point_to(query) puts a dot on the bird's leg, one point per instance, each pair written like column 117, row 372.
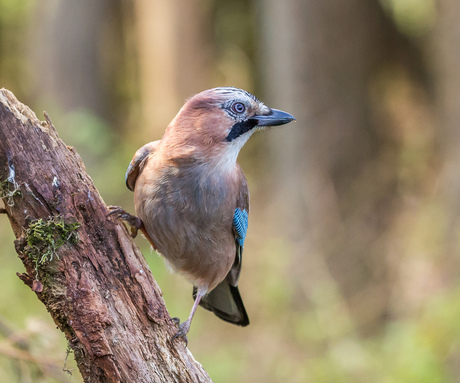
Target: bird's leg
column 135, row 222
column 184, row 327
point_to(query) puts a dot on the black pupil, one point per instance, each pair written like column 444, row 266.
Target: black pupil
column 238, row 107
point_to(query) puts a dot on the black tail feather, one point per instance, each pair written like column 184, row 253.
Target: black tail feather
column 225, row 302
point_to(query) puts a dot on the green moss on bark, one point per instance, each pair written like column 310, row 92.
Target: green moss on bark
column 45, row 237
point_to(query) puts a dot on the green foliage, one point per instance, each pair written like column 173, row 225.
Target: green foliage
column 44, row 238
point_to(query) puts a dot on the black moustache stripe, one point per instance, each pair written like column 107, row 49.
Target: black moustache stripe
column 240, row 128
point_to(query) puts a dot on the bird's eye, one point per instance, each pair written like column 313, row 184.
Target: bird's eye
column 238, row 107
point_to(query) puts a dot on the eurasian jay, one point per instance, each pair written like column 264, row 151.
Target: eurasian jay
column 191, row 196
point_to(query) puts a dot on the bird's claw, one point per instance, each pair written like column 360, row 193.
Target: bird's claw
column 184, row 327
column 176, row 321
column 135, row 222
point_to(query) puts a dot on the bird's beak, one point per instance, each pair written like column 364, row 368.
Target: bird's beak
column 274, row 118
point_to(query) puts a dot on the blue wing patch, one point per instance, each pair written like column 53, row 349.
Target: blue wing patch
column 240, row 223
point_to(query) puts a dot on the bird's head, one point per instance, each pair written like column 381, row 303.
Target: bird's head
column 216, row 123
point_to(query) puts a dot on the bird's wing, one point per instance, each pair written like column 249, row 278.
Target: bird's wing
column 225, row 299
column 138, row 162
column 240, row 227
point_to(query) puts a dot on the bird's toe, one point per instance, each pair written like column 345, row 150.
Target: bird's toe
column 135, row 222
column 114, row 210
column 176, row 320
column 184, row 327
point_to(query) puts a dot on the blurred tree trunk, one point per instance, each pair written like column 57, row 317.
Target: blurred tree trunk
column 335, row 174
column 67, row 49
column 447, row 64
column 83, row 57
column 174, row 42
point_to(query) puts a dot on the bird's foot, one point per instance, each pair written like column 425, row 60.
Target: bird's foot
column 184, row 328
column 135, row 222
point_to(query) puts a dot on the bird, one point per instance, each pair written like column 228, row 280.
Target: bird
column 191, row 196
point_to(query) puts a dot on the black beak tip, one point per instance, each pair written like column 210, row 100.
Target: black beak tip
column 275, row 118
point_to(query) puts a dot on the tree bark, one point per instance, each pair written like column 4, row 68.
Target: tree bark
column 95, row 282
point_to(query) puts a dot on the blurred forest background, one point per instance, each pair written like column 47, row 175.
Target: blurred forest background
column 352, row 259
